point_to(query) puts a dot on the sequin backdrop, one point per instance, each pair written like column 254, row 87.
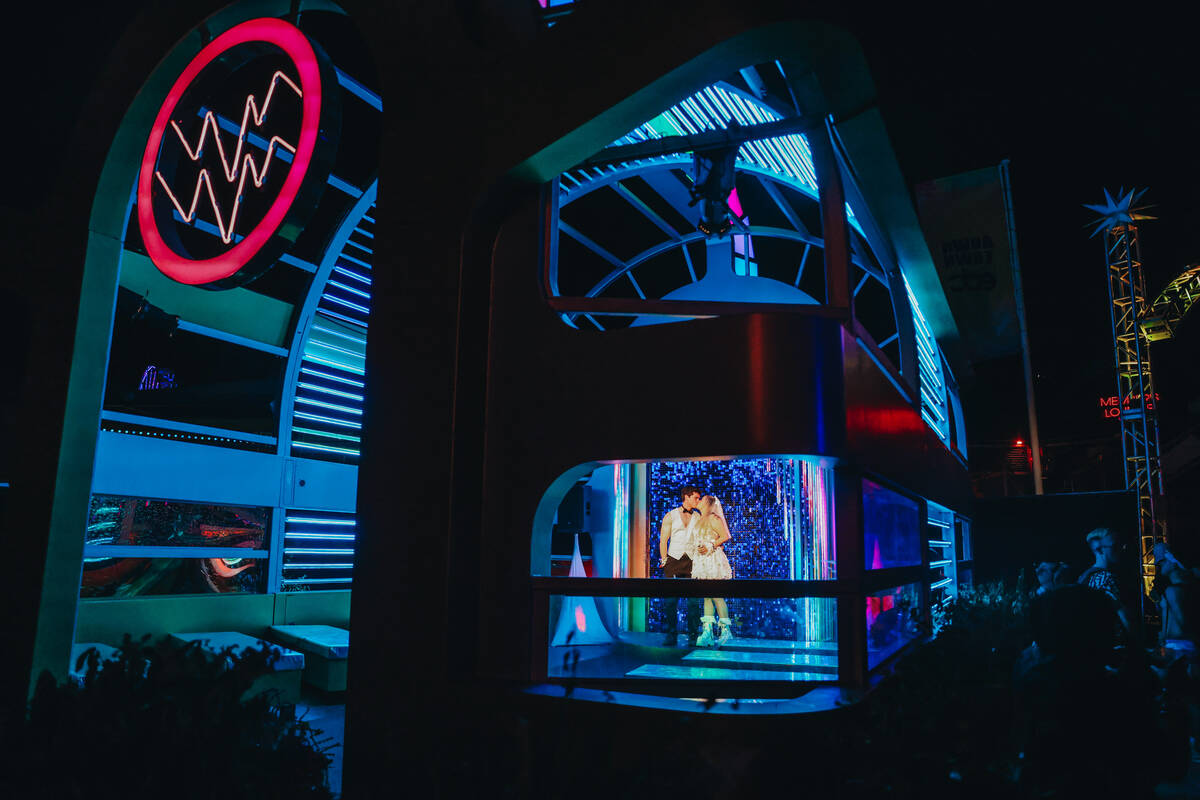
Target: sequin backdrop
column 767, row 509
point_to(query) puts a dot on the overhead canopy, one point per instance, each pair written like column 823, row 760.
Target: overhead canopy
column 828, row 73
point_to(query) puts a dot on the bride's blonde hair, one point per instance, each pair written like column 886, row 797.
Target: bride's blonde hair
column 705, row 523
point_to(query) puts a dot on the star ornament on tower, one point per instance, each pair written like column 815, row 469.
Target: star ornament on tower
column 1120, row 211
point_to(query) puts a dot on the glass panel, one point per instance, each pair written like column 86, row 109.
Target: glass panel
column 116, row 520
column 779, row 513
column 788, row 639
column 777, row 510
column 211, row 381
column 966, row 578
column 891, row 528
column 136, row 577
column 893, row 620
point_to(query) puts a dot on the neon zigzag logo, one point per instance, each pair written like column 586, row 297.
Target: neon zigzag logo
column 237, row 168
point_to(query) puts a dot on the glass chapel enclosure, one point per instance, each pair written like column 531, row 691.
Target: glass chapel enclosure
column 608, row 613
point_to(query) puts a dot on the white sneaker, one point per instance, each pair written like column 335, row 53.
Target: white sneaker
column 726, row 635
column 705, row 639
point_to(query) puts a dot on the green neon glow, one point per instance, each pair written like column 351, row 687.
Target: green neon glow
column 665, row 126
column 328, row 435
column 338, row 364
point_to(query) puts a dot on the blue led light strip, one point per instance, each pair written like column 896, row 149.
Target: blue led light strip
column 333, row 299
column 326, row 390
column 330, row 406
column 353, row 275
column 295, row 581
column 187, row 427
column 346, row 288
column 329, row 420
column 341, row 537
column 325, row 448
column 360, row 91
column 353, row 260
column 327, row 376
column 333, row 551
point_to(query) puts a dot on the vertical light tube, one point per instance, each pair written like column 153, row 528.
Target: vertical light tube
column 620, row 540
column 818, row 560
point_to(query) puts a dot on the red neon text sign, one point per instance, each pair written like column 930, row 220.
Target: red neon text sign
column 1109, row 405
column 192, row 173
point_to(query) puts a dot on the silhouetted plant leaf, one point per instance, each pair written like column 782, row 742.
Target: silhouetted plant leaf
column 164, row 719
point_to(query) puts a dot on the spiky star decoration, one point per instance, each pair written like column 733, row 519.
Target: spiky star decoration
column 1120, row 211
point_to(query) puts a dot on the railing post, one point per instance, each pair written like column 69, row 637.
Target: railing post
column 834, row 227
column 851, row 611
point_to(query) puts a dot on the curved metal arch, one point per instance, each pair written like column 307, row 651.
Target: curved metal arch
column 618, row 173
column 753, row 230
column 615, row 174
column 768, row 173
column 645, row 255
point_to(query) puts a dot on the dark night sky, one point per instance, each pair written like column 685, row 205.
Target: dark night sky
column 1077, row 104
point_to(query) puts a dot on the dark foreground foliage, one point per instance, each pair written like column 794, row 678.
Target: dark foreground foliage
column 946, row 723
column 163, row 720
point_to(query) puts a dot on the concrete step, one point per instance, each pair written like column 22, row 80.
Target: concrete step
column 704, row 673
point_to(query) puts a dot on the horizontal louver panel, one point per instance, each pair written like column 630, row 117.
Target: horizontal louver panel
column 318, row 550
column 328, row 405
column 929, row 362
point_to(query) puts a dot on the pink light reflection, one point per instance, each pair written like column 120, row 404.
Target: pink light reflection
column 735, row 204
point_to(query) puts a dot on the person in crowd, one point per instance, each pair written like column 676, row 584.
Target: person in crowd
column 1085, row 729
column 1175, row 591
column 711, row 563
column 1050, row 574
column 1101, row 575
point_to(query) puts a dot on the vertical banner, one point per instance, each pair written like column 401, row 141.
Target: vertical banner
column 965, row 223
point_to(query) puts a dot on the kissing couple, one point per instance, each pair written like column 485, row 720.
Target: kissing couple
column 691, row 545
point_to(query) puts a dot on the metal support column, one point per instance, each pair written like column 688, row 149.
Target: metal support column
column 1135, row 388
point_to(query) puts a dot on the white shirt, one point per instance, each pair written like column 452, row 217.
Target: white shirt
column 682, row 528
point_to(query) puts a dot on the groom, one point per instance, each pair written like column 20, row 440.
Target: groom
column 675, row 540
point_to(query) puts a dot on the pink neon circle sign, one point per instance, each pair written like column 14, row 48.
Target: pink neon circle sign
column 224, row 267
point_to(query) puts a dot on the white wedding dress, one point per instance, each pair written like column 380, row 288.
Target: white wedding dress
column 713, row 565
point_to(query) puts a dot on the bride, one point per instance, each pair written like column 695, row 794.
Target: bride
column 710, row 563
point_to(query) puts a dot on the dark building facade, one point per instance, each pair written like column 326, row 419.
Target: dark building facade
column 464, row 350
